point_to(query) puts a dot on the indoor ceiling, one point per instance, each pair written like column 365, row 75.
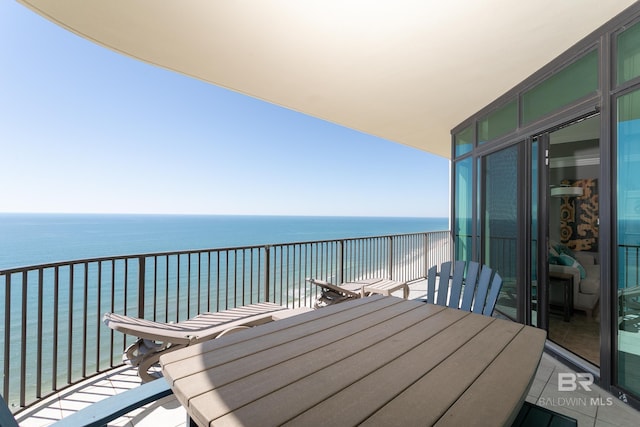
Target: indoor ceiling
column 407, row 71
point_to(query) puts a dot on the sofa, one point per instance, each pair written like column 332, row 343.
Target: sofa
column 586, row 277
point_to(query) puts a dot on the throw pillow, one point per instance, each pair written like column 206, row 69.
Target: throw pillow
column 571, row 262
column 564, row 249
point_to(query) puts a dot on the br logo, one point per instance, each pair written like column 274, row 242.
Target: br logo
column 568, row 381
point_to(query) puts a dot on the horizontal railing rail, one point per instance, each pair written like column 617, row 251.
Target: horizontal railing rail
column 51, row 314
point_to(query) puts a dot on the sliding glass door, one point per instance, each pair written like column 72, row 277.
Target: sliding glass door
column 572, row 249
column 500, row 237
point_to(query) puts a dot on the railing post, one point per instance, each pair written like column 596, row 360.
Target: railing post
column 141, row 281
column 390, row 252
column 267, row 271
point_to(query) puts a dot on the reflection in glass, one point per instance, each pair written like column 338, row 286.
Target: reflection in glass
column 463, row 141
column 574, row 82
column 629, row 54
column 628, row 219
column 500, row 222
column 463, row 209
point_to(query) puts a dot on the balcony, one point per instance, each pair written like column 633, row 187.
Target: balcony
column 52, row 328
column 59, row 358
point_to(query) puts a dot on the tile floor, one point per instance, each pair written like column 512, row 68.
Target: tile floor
column 595, row 408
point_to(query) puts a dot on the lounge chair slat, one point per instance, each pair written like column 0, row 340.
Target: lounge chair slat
column 157, row 338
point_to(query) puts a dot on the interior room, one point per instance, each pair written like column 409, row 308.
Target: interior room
column 574, row 273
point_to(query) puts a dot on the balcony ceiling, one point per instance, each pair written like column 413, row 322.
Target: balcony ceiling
column 406, row 71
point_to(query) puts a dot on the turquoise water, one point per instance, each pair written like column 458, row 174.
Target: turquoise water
column 30, row 239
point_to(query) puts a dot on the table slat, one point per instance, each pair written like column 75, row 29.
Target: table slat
column 432, row 394
column 505, row 382
column 361, row 398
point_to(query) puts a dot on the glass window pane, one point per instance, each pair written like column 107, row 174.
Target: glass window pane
column 463, row 231
column 628, row 50
column 628, row 221
column 572, row 83
column 463, row 141
column 498, row 123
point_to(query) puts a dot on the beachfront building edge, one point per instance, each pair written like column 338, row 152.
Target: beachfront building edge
column 546, row 190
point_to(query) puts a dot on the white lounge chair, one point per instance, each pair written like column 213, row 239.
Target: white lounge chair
column 155, row 338
column 333, row 294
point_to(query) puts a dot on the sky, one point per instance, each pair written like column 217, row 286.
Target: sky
column 86, row 130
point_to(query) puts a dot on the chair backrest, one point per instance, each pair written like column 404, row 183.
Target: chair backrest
column 6, row 417
column 465, row 289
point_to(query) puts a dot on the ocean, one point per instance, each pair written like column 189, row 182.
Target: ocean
column 32, row 239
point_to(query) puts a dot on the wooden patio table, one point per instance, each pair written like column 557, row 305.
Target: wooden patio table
column 375, row 361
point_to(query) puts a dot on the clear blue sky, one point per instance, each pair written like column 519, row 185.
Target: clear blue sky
column 86, row 130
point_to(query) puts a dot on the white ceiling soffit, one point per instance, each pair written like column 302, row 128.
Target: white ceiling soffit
column 407, row 71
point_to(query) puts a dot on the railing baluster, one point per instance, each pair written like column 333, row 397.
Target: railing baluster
column 98, row 314
column 70, row 325
column 267, row 272
column 141, row 285
column 54, row 350
column 7, row 337
column 112, row 309
column 198, row 310
column 84, row 318
column 188, row 285
column 251, row 275
column 40, row 335
column 209, row 281
column 341, row 259
column 233, row 263
column 23, row 339
column 177, row 319
column 166, row 289
column 155, row 288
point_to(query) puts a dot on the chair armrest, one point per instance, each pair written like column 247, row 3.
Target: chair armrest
column 331, row 287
